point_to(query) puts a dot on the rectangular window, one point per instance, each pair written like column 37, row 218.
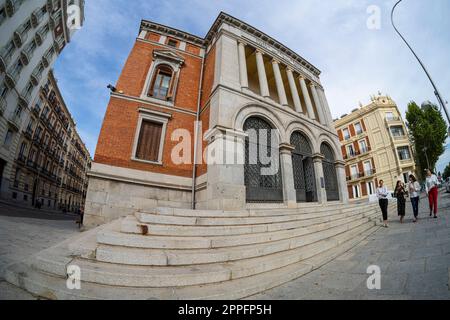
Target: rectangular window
column 350, row 150
column 358, row 128
column 149, row 142
column 356, row 192
column 363, row 146
column 403, row 153
column 397, row 131
column 8, row 138
column 172, row 43
column 346, row 134
column 354, row 172
column 389, row 116
column 370, row 188
column 368, row 168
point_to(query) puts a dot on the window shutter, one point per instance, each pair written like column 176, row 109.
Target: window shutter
column 170, row 93
column 149, row 141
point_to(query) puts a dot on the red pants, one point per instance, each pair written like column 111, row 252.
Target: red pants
column 433, row 199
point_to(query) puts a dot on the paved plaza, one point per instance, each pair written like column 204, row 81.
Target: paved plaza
column 414, row 258
column 24, row 232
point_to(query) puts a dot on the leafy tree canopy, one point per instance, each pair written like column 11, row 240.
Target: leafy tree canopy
column 428, row 131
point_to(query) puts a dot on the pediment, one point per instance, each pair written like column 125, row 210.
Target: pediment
column 168, row 55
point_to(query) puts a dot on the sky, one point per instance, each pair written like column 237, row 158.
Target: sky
column 356, row 61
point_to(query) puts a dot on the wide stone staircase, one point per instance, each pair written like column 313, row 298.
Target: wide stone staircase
column 168, row 253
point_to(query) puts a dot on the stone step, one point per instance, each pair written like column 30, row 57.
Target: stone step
column 148, row 218
column 133, row 226
column 242, row 213
column 53, row 287
column 139, row 254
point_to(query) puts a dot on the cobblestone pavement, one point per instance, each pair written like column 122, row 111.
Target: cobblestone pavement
column 24, row 232
column 414, row 260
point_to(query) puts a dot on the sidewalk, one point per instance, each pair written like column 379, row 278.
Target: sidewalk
column 414, row 261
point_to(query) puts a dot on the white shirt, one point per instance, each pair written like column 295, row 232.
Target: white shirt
column 414, row 189
column 431, row 182
column 382, row 193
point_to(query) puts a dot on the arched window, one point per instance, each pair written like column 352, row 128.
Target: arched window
column 162, row 83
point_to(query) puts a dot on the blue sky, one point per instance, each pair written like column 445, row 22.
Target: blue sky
column 356, row 62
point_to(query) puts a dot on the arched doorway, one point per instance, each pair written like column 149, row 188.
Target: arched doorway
column 303, row 168
column 329, row 172
column 261, row 187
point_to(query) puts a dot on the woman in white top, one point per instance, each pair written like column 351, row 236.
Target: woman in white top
column 431, row 186
column 414, row 195
column 382, row 194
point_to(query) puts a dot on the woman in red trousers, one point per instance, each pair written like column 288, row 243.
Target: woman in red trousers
column 432, row 191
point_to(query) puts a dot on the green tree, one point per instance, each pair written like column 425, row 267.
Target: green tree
column 428, row 129
column 446, row 172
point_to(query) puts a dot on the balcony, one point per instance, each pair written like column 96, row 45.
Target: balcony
column 15, row 120
column 36, row 110
column 36, row 17
column 2, row 105
column 25, row 97
column 20, row 36
column 5, row 56
column 12, row 6
column 401, row 137
column 360, row 175
column 21, row 159
column 52, row 23
column 28, row 134
column 49, row 6
column 36, row 76
column 12, row 76
column 41, row 34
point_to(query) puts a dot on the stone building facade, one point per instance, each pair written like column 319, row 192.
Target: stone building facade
column 52, row 161
column 215, row 89
column 375, row 146
column 32, row 35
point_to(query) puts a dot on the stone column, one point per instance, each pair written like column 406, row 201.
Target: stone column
column 318, row 104
column 294, row 91
column 308, row 102
column 263, row 85
column 342, row 181
column 290, row 197
column 279, row 83
column 243, row 66
column 326, row 108
column 320, row 179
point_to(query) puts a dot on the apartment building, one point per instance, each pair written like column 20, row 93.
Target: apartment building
column 51, row 162
column 32, row 35
column 375, row 146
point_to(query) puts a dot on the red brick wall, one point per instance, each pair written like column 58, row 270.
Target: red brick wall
column 116, row 141
column 153, row 36
column 115, row 145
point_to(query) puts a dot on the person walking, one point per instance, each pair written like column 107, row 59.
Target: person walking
column 414, row 194
column 431, row 185
column 382, row 194
column 400, row 193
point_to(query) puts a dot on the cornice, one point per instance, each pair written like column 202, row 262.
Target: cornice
column 224, row 18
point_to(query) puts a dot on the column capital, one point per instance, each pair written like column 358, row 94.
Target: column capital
column 318, row 157
column 275, row 61
column 286, row 148
column 340, row 164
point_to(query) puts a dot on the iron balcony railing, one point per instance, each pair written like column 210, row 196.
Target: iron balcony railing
column 20, row 36
column 15, row 120
column 25, row 96
column 2, row 105
column 41, row 34
column 6, row 54
column 12, row 6
column 13, row 74
column 36, row 17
